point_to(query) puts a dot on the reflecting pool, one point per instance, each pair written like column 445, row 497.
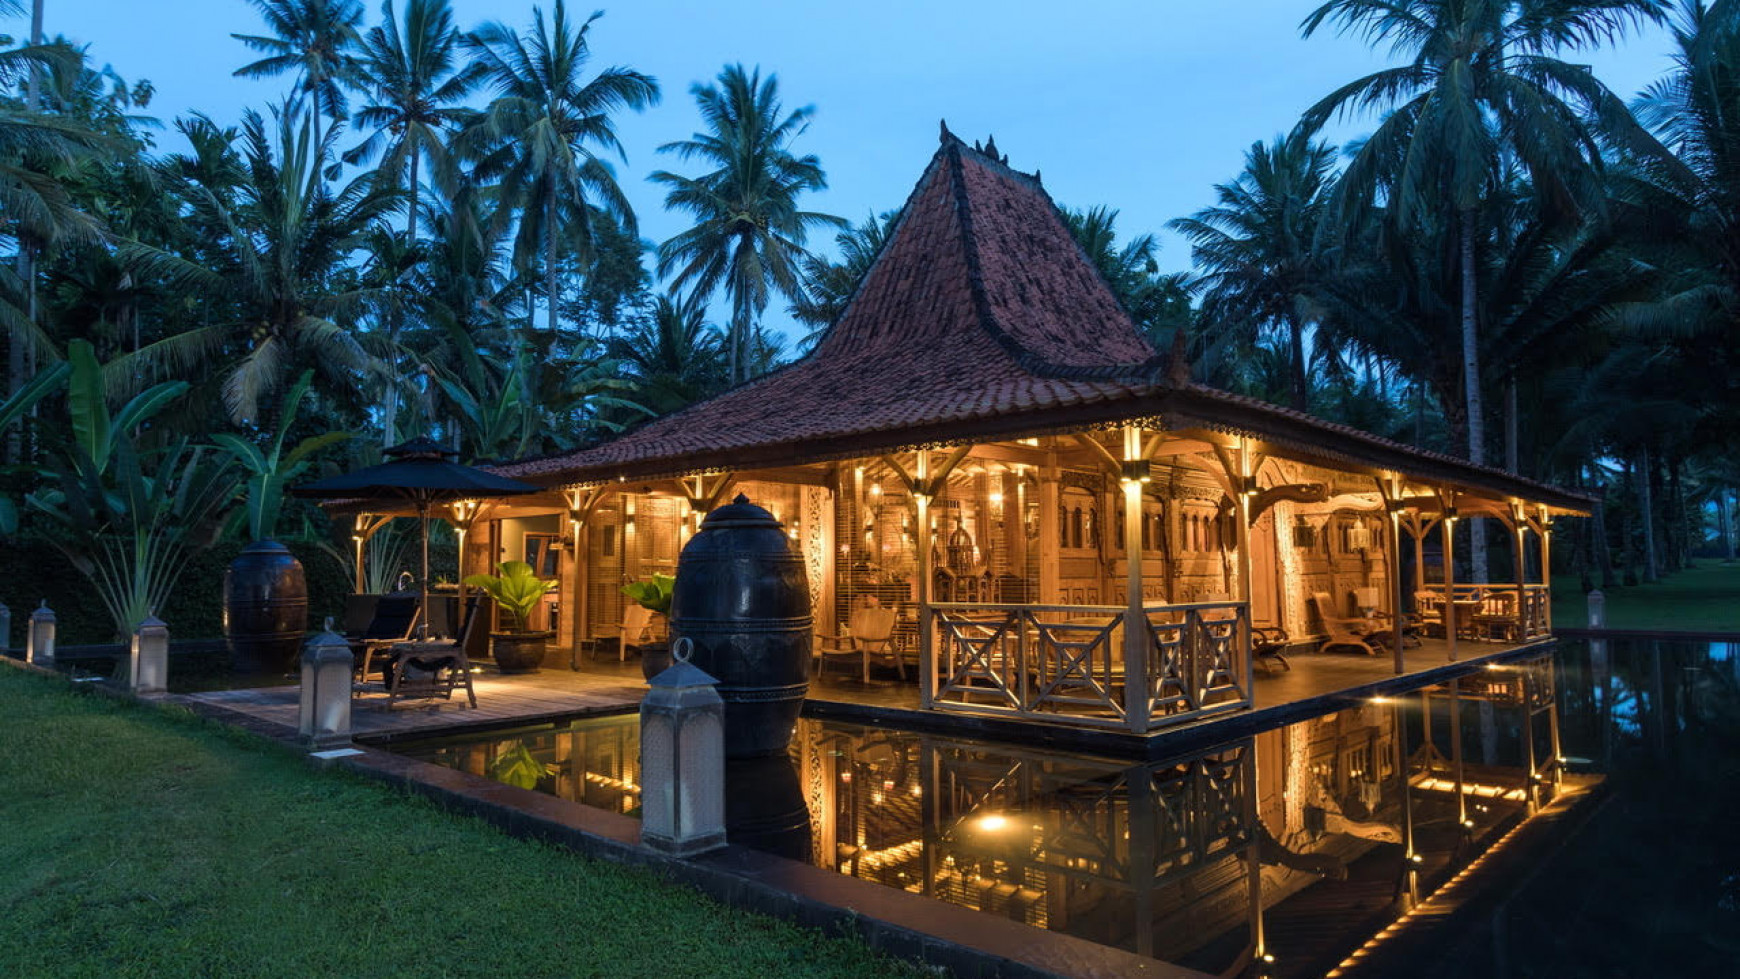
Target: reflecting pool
column 1297, row 843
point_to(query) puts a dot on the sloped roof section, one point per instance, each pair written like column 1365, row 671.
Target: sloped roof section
column 979, row 305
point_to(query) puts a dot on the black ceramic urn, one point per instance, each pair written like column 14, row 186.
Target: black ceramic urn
column 743, row 598
column 265, row 607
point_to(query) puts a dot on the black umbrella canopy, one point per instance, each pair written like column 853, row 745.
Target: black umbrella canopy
column 421, row 473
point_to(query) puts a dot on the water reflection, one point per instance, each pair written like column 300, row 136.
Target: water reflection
column 1296, row 843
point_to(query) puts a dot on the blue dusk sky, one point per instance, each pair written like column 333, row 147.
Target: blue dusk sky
column 1143, row 106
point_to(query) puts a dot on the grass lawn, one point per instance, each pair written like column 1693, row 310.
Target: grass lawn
column 141, row 843
column 1706, row 598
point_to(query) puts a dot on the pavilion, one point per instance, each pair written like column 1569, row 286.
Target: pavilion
column 986, row 442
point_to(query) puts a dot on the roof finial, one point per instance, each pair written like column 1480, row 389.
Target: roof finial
column 991, row 149
column 946, row 135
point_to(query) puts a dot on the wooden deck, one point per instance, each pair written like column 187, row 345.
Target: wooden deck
column 1312, row 675
column 501, row 700
column 606, row 687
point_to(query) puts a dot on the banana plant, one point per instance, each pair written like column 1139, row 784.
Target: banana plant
column 125, row 518
column 271, row 468
column 13, row 408
column 132, row 529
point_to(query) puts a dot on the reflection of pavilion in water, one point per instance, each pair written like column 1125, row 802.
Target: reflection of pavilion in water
column 1188, row 860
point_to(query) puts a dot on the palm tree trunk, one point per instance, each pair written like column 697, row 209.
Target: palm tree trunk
column 1602, row 547
column 1646, row 508
column 550, row 262
column 1296, row 373
column 33, row 85
column 1726, row 506
column 1511, row 461
column 411, row 217
column 1471, row 387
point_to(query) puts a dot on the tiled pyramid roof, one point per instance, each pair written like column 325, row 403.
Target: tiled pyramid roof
column 980, row 319
column 980, row 306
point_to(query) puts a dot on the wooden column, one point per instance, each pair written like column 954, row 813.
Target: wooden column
column 1050, row 585
column 1136, row 706
column 1448, row 530
column 1546, row 571
column 1518, row 535
column 1394, row 565
column 1244, row 484
column 921, row 536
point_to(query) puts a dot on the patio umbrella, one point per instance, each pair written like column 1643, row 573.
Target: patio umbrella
column 420, row 473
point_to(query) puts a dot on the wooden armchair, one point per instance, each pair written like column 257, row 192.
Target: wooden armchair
column 870, row 632
column 426, row 670
column 1269, row 642
column 636, row 628
column 1343, row 630
column 1429, row 611
column 1497, row 616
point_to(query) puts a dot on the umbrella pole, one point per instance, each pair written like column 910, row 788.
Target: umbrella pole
column 423, row 516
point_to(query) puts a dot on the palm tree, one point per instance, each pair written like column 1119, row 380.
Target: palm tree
column 829, row 285
column 1480, row 84
column 269, row 261
column 315, row 40
column 540, row 137
column 39, row 151
column 1257, row 246
column 1693, row 198
column 416, row 83
column 672, row 355
column 749, row 233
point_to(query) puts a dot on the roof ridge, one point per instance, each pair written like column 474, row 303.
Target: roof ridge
column 1146, row 370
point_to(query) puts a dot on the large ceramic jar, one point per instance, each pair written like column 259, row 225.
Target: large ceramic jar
column 265, row 607
column 743, row 598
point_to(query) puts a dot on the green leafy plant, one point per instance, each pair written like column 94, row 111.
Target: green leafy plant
column 518, row 767
column 270, row 468
column 516, row 589
column 653, row 593
column 128, row 518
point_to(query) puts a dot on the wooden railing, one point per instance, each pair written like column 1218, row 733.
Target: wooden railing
column 1492, row 610
column 1071, row 663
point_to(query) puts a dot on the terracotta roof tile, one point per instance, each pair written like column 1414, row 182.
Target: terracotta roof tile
column 982, row 309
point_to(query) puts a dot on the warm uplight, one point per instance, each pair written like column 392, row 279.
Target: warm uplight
column 996, row 498
column 994, row 823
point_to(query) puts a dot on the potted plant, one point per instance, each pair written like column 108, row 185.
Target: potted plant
column 516, row 590
column 653, row 594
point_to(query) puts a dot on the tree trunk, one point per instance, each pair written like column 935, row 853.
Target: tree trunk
column 1296, row 368
column 411, row 218
column 1602, row 548
column 1725, row 524
column 1511, row 452
column 1471, row 387
column 550, row 263
column 1646, row 509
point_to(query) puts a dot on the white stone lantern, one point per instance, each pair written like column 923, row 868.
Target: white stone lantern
column 327, row 664
column 150, row 657
column 682, row 759
column 39, row 648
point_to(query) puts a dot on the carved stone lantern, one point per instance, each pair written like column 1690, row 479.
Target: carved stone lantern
column 682, row 759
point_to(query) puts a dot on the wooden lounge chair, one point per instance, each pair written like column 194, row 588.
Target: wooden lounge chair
column 870, row 633
column 395, row 620
column 636, row 628
column 420, row 671
column 1343, row 630
column 1269, row 643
